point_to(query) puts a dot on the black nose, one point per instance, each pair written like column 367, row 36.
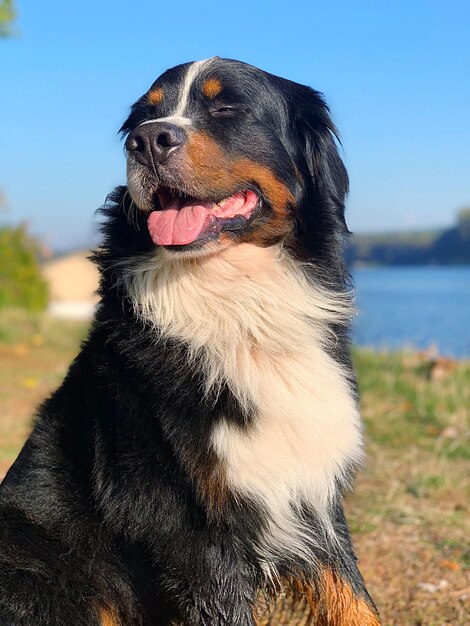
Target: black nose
column 152, row 142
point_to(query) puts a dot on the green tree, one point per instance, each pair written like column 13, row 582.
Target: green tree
column 21, row 282
column 463, row 216
column 463, row 223
column 7, row 17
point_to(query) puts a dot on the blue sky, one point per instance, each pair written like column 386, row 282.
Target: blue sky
column 396, row 76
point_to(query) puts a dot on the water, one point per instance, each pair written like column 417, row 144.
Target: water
column 414, row 307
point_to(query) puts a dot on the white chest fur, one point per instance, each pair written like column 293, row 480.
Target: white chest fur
column 252, row 319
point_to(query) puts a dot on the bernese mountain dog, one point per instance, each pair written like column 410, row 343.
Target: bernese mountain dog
column 191, row 467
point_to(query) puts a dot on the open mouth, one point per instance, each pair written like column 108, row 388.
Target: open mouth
column 181, row 220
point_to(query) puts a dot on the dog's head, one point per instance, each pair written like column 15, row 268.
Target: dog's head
column 220, row 152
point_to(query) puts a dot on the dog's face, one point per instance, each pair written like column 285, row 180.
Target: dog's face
column 220, row 152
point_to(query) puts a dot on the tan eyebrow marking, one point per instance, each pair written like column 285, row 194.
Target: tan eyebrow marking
column 155, row 96
column 212, row 87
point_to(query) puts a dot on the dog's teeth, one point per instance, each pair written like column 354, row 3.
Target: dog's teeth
column 222, row 202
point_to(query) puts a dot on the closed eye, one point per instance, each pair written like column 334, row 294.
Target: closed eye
column 225, row 111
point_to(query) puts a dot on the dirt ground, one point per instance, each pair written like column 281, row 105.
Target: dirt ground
column 410, row 511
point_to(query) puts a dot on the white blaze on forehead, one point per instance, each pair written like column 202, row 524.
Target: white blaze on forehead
column 174, row 119
column 193, row 72
column 178, row 117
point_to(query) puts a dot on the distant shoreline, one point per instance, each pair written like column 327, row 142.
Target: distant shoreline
column 445, row 247
column 361, row 265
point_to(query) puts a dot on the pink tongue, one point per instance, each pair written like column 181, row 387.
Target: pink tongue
column 178, row 224
column 177, row 227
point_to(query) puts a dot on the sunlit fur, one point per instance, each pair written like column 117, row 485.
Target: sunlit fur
column 252, row 317
column 195, row 457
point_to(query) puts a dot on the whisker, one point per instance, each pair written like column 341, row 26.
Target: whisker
column 131, row 210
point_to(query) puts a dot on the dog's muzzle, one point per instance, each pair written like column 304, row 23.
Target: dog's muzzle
column 152, row 142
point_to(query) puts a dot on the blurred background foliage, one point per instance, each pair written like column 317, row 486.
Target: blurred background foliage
column 21, row 282
column 7, row 17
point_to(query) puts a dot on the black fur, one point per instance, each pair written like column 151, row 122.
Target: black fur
column 101, row 511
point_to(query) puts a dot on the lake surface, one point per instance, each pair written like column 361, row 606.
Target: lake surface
column 415, row 307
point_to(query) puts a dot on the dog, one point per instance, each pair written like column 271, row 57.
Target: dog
column 191, row 467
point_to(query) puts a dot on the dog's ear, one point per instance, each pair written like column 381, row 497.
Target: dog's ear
column 320, row 166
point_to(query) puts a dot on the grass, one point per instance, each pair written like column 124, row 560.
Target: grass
column 35, row 352
column 409, row 513
column 410, row 508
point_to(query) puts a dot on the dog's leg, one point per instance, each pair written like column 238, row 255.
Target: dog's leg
column 337, row 603
column 328, row 601
column 213, row 603
column 48, row 598
column 212, row 589
column 328, row 592
column 341, row 597
column 44, row 582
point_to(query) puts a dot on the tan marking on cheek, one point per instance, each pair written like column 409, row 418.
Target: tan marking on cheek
column 211, row 170
column 276, row 192
column 212, row 87
column 155, row 96
column 204, row 156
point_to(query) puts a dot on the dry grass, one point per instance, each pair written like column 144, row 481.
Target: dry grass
column 35, row 352
column 410, row 510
